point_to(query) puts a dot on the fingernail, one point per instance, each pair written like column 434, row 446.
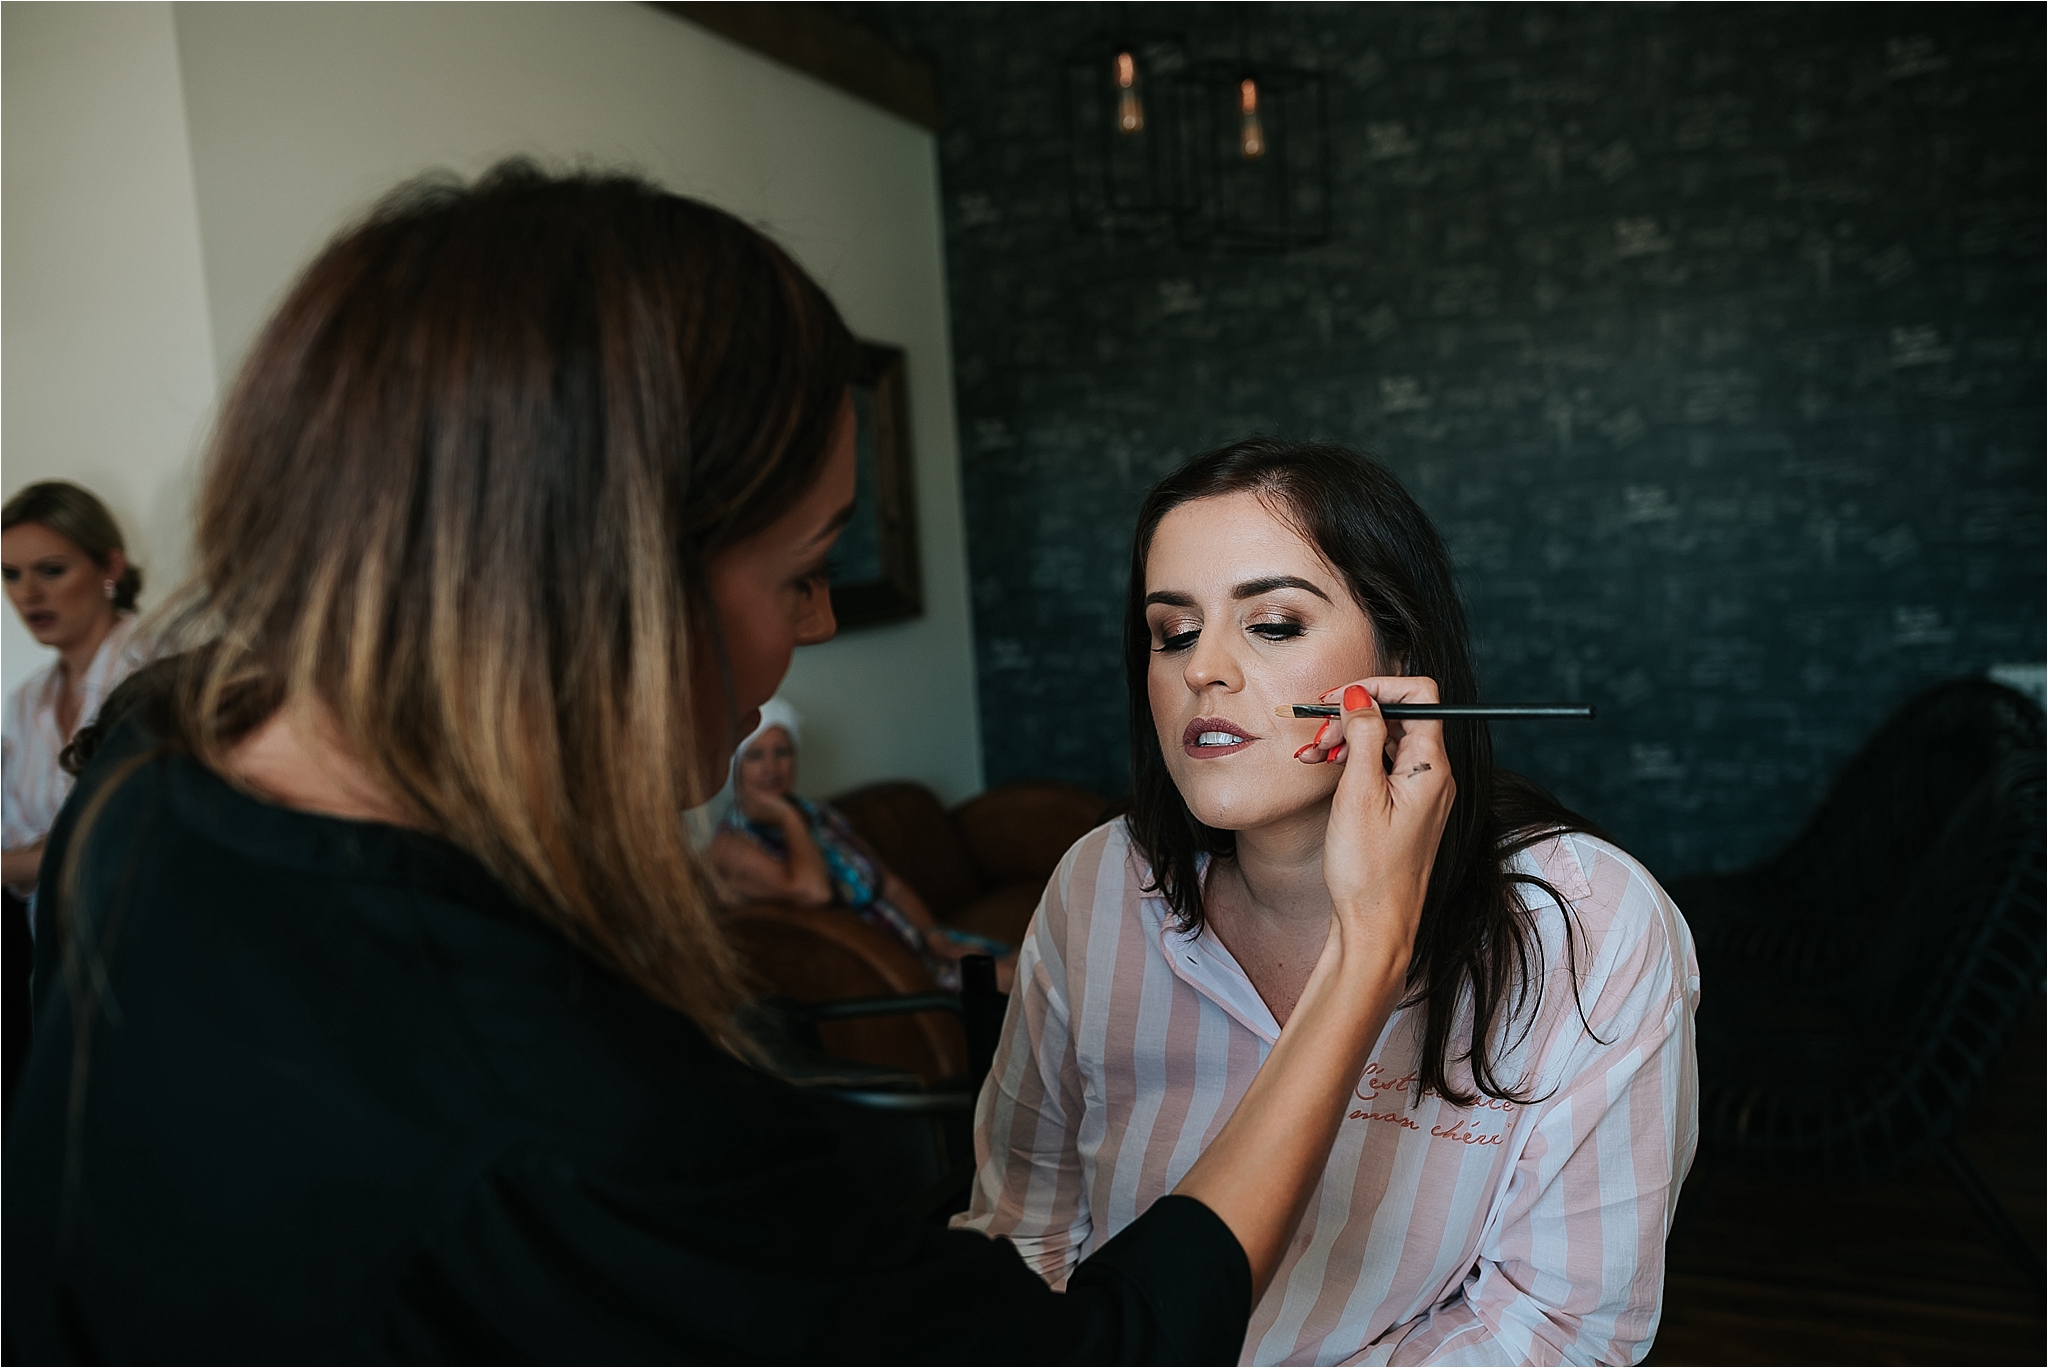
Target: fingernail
column 1356, row 699
column 1305, row 750
column 1322, row 731
column 1337, row 755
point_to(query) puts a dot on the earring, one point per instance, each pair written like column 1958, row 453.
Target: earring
column 108, row 588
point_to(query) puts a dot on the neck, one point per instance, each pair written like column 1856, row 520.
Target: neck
column 76, row 658
column 1280, row 866
column 297, row 759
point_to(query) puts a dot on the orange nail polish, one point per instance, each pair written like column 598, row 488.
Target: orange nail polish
column 1305, row 750
column 1356, row 699
column 1322, row 731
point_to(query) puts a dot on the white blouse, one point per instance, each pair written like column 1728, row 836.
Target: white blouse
column 35, row 788
column 1501, row 1232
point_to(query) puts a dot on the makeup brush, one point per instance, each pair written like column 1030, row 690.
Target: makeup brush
column 1432, row 712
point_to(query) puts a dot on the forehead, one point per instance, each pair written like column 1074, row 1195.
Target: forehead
column 774, row 736
column 33, row 541
column 1228, row 539
column 802, row 527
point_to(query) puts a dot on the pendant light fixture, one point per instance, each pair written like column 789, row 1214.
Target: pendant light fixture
column 1253, row 156
column 1119, row 154
column 1230, row 154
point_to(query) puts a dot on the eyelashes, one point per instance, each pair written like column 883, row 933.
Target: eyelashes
column 1176, row 642
column 820, row 575
column 1277, row 631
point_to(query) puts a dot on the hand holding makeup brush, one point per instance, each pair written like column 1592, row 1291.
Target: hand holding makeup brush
column 1385, row 818
column 1380, row 845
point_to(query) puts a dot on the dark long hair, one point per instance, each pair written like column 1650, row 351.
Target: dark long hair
column 1477, row 937
column 462, row 497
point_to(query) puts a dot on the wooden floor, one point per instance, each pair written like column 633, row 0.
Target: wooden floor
column 1900, row 1272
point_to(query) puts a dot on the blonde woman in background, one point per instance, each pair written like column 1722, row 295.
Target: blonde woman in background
column 67, row 573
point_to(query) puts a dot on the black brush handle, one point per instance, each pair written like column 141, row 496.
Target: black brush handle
column 1435, row 712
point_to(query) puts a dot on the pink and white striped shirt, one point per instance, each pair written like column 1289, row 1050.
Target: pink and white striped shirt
column 1499, row 1233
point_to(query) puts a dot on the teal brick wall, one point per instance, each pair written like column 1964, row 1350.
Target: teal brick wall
column 1711, row 336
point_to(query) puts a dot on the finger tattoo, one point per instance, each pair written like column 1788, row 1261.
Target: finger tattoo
column 1418, row 769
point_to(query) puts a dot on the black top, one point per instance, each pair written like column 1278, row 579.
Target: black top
column 342, row 1098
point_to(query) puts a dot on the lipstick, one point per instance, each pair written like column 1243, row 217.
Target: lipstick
column 1209, row 737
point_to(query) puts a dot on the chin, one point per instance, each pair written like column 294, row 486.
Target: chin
column 1231, row 796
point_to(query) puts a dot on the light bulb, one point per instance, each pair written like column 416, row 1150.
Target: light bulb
column 1251, row 136
column 1130, row 110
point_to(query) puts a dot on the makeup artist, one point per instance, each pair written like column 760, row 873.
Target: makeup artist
column 386, row 1014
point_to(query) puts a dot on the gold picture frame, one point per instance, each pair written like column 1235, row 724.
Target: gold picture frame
column 876, row 576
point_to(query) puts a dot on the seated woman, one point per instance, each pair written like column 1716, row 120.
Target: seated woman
column 778, row 847
column 1508, row 1170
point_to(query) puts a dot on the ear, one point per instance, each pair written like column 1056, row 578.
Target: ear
column 117, row 565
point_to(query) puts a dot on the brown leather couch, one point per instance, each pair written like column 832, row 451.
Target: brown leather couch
column 980, row 867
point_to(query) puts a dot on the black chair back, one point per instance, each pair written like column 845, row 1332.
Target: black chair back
column 1858, row 985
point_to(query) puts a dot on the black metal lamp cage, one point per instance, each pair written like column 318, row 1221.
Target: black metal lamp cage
column 1252, row 171
column 1116, row 93
column 1233, row 154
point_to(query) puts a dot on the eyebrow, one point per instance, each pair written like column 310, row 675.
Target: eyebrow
column 1173, row 598
column 839, row 520
column 1253, row 588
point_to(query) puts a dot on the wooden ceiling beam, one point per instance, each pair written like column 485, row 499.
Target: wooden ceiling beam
column 825, row 45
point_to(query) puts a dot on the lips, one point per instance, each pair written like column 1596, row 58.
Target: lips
column 40, row 621
column 1213, row 730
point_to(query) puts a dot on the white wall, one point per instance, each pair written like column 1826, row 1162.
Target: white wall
column 108, row 369
column 301, row 115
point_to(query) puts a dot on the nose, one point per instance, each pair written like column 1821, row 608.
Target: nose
column 818, row 623
column 1212, row 663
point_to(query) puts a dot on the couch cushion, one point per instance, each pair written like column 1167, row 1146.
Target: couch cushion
column 908, row 829
column 1016, row 833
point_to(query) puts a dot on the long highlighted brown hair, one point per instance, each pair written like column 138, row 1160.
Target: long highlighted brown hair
column 1476, row 948
column 462, row 496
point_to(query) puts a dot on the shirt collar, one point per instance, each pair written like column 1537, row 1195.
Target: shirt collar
column 1206, row 965
column 106, row 660
column 100, row 675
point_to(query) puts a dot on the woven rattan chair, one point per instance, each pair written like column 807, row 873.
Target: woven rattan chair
column 1860, row 984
